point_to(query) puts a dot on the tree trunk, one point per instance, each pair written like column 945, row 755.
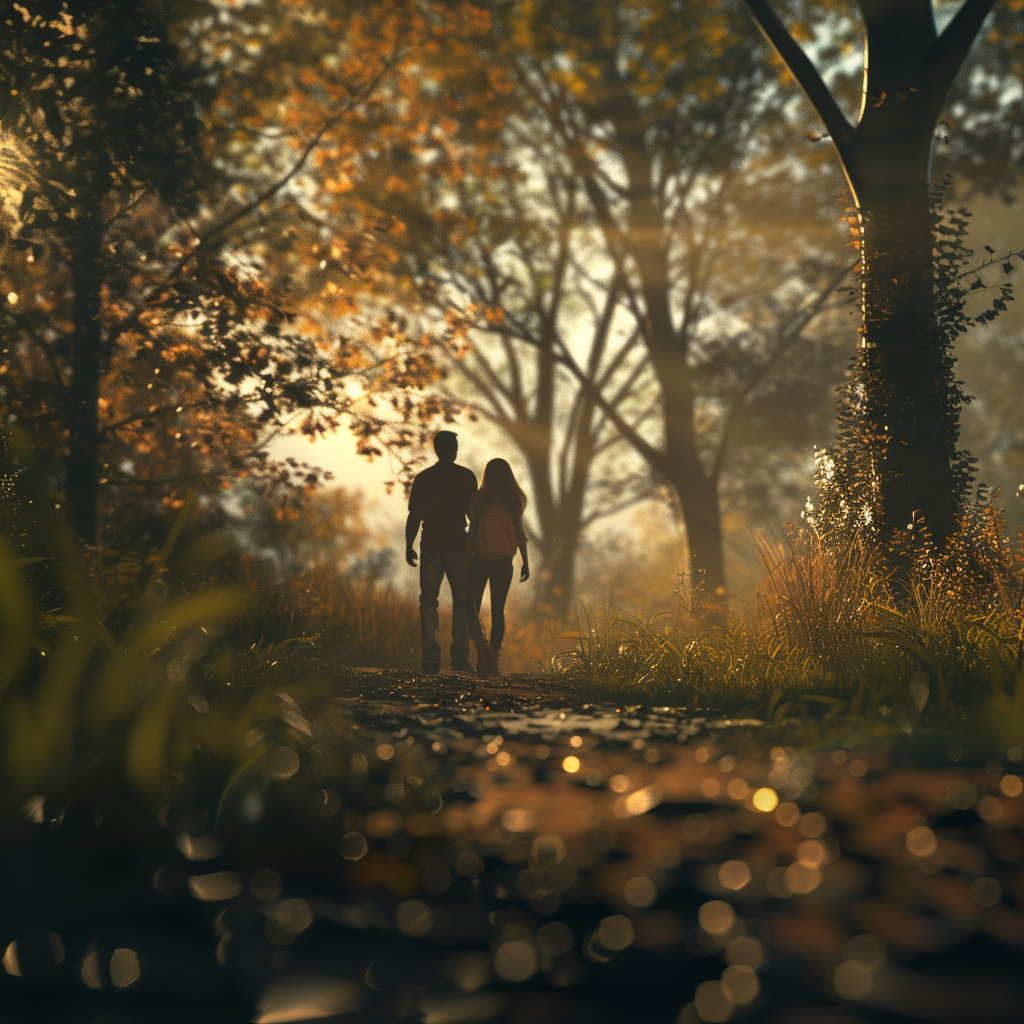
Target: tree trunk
column 702, row 516
column 559, row 517
column 910, row 416
column 900, row 425
column 84, row 384
column 556, row 582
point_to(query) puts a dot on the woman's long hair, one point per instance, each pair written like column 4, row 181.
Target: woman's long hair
column 499, row 484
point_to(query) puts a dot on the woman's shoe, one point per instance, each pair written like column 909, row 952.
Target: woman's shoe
column 486, row 661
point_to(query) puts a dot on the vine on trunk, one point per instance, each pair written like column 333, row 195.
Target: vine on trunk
column 847, row 479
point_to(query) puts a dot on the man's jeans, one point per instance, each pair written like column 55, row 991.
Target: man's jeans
column 433, row 569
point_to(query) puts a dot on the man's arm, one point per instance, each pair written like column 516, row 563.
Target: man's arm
column 412, row 527
column 470, row 547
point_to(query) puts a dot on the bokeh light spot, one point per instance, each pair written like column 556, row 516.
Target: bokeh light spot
column 740, row 984
column 737, row 789
column 615, row 932
column 765, row 800
column 354, row 846
column 571, row 764
column 716, row 917
column 294, row 916
column 989, row 808
column 639, row 802
column 961, row 795
column 219, row 885
column 11, row 964
column 986, row 892
column 124, row 967
column 90, row 972
column 548, row 849
column 802, row 879
column 518, row 819
column 640, row 891
column 812, row 853
column 787, row 814
column 921, row 841
column 812, row 825
column 515, row 960
column 734, row 874
column 282, row 763
column 469, row 864
column 414, row 917
column 1011, row 785
column 852, row 980
column 711, row 1003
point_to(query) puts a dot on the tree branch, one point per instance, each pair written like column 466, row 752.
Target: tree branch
column 950, row 50
column 51, row 359
column 806, row 74
column 787, row 336
column 651, row 455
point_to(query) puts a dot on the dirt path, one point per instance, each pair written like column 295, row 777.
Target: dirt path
column 444, row 850
column 885, row 880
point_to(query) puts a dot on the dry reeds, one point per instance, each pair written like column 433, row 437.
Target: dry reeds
column 834, row 632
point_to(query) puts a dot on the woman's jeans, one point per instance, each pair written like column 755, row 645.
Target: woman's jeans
column 497, row 572
column 433, row 569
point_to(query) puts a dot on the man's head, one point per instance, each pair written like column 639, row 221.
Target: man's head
column 446, row 444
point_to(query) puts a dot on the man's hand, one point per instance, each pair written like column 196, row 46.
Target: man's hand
column 410, row 556
column 524, row 573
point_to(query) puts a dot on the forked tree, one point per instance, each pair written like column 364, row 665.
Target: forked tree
column 900, row 428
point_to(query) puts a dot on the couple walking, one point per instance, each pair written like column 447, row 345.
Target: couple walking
column 442, row 497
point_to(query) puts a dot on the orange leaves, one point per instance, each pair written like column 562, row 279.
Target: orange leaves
column 801, row 32
column 341, row 182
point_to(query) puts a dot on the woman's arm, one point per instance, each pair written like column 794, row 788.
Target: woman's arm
column 524, row 573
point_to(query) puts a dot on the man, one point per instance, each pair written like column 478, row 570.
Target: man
column 440, row 501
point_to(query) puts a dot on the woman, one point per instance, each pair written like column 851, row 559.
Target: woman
column 495, row 533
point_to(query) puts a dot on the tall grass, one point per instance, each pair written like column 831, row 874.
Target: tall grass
column 833, row 633
column 349, row 619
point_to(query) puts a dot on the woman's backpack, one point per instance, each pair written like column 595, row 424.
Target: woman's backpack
column 496, row 533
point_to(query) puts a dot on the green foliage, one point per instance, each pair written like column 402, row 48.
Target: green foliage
column 91, row 696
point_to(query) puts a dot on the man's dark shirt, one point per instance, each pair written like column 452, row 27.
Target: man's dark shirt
column 440, row 498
